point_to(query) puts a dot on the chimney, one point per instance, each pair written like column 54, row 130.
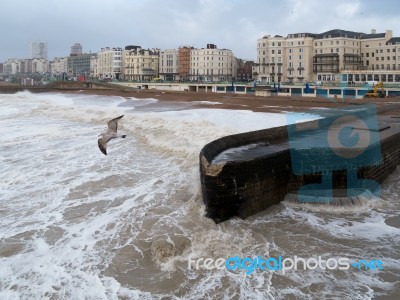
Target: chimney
column 373, row 31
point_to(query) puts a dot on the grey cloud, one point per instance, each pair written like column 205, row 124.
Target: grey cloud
column 232, row 24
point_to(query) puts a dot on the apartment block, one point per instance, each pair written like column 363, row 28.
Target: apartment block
column 244, row 70
column 184, row 62
column 59, row 65
column 335, row 55
column 168, row 68
column 212, row 64
column 38, row 50
column 109, row 63
column 79, row 65
column 11, row 66
column 140, row 64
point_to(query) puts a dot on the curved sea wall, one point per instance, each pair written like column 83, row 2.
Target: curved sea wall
column 243, row 187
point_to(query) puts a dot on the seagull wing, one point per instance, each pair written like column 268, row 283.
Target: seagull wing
column 102, row 142
column 113, row 124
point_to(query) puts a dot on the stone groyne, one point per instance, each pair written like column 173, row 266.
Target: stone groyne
column 263, row 176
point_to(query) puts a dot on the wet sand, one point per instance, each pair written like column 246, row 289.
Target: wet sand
column 237, row 101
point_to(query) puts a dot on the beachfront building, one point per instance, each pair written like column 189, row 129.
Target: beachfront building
column 336, row 51
column 94, row 69
column 59, row 65
column 39, row 65
column 297, row 63
column 168, row 68
column 212, row 64
column 380, row 55
column 79, row 65
column 281, row 59
column 109, row 63
column 11, row 66
column 140, row 64
column 184, row 62
column 332, row 56
column 244, row 70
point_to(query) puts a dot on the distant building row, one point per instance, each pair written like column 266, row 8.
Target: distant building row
column 135, row 63
column 299, row 57
column 335, row 55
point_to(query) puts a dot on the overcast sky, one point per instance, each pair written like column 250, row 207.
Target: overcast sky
column 166, row 24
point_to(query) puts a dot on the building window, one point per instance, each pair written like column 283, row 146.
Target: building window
column 367, row 54
column 337, row 42
column 273, row 51
column 337, row 50
column 279, row 51
column 331, row 50
column 300, row 57
column 273, row 44
column 279, row 44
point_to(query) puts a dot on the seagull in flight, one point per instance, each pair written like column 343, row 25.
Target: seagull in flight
column 110, row 134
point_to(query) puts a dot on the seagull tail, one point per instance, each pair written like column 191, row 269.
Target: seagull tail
column 123, row 136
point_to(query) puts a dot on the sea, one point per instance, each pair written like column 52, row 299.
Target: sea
column 76, row 224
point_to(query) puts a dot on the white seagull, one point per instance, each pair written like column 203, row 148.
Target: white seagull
column 110, row 134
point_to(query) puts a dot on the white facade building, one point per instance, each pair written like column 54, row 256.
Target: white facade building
column 212, row 64
column 11, row 66
column 168, row 68
column 59, row 65
column 109, row 63
column 324, row 57
column 140, row 64
column 40, row 65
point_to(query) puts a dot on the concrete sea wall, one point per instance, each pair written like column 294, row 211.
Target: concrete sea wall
column 247, row 186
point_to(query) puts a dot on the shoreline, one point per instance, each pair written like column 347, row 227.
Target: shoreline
column 272, row 104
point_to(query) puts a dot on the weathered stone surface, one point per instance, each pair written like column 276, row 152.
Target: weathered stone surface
column 246, row 187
